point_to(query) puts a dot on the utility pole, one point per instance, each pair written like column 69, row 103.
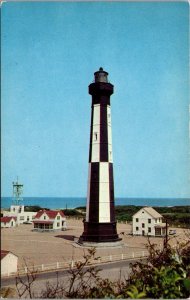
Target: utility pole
column 166, row 235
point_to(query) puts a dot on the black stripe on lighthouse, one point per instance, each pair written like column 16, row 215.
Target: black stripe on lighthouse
column 103, row 134
column 94, row 193
column 101, row 99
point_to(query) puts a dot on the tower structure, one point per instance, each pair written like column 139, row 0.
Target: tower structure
column 17, row 192
column 100, row 224
column 17, row 201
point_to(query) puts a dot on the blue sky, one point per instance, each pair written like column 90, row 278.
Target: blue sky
column 50, row 51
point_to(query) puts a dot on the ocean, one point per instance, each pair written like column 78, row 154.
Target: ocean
column 73, row 202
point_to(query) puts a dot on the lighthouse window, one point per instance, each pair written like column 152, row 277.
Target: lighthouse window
column 95, row 136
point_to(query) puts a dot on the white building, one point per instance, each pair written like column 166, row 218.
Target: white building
column 17, row 208
column 21, row 215
column 7, row 222
column 147, row 221
column 9, row 263
column 49, row 220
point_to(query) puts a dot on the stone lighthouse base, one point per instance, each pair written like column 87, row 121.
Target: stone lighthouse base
column 99, row 233
column 117, row 244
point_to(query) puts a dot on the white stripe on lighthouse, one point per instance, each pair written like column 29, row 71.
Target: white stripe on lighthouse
column 104, row 193
column 88, row 193
column 109, row 115
column 96, row 134
column 110, row 155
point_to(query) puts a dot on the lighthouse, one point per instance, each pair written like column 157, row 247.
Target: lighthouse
column 100, row 224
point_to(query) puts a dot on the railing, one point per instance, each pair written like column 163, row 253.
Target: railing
column 71, row 264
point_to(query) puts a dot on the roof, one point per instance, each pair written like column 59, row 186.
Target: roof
column 7, row 219
column 151, row 211
column 42, row 222
column 50, row 213
column 5, row 252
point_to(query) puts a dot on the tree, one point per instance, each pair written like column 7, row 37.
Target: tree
column 24, row 285
column 165, row 274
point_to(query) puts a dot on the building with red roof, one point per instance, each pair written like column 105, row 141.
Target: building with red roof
column 49, row 220
column 8, row 221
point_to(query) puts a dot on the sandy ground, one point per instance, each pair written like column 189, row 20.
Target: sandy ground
column 49, row 247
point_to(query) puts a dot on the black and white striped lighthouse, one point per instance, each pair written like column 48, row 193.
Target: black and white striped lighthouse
column 100, row 224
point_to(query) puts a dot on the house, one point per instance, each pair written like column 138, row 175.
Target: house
column 9, row 263
column 49, row 220
column 147, row 221
column 19, row 212
column 7, row 222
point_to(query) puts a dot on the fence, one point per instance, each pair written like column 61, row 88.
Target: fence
column 71, row 263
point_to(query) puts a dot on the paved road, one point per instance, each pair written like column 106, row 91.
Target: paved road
column 111, row 270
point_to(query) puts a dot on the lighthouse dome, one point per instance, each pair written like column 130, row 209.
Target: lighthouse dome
column 101, row 75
